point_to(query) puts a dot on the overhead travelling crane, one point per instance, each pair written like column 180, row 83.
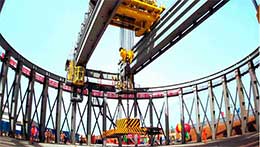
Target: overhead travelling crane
column 136, row 15
column 97, row 22
column 147, row 51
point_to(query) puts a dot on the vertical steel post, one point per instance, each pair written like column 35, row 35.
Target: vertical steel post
column 120, row 107
column 151, row 117
column 197, row 106
column 212, row 110
column 89, row 116
column 227, row 105
column 104, row 118
column 28, row 111
column 182, row 116
column 15, row 95
column 255, row 93
column 58, row 112
column 241, row 101
column 3, row 78
column 135, row 105
column 43, row 109
column 167, row 139
column 73, row 122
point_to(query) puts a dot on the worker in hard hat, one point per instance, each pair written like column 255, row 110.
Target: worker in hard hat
column 130, row 55
column 123, row 54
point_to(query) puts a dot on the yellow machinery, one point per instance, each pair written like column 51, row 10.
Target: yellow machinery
column 75, row 74
column 137, row 15
column 126, row 126
column 126, row 55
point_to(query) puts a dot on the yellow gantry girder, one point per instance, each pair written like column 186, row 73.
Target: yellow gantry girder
column 137, row 15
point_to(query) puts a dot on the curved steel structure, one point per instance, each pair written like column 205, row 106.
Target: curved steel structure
column 201, row 101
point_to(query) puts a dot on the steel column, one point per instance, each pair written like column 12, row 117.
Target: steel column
column 43, row 109
column 28, row 111
column 3, row 78
column 197, row 109
column 167, row 139
column 120, row 107
column 15, row 95
column 104, row 118
column 255, row 93
column 212, row 110
column 89, row 116
column 58, row 112
column 227, row 105
column 151, row 117
column 182, row 116
column 73, row 121
column 241, row 101
column 135, row 105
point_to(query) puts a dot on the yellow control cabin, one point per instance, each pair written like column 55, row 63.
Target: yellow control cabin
column 137, row 15
column 75, row 74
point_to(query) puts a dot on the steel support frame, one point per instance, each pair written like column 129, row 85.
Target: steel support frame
column 28, row 120
column 167, row 139
column 58, row 113
column 227, row 105
column 43, row 109
column 104, row 118
column 253, row 82
column 241, row 101
column 197, row 108
column 73, row 121
column 151, row 117
column 3, row 81
column 182, row 119
column 212, row 110
column 14, row 99
column 89, row 116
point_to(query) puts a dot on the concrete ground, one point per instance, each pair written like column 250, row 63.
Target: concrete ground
column 248, row 140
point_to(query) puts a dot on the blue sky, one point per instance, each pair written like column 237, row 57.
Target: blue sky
column 45, row 32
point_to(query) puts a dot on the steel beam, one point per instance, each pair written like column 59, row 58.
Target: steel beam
column 182, row 120
column 227, row 105
column 255, row 93
column 3, row 78
column 14, row 99
column 149, row 54
column 28, row 111
column 96, row 25
column 241, row 102
column 104, row 118
column 89, row 116
column 58, row 112
column 167, row 139
column 212, row 110
column 1, row 4
column 197, row 108
column 43, row 109
column 73, row 122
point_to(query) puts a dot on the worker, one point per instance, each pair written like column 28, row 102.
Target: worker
column 123, row 54
column 204, row 135
column 130, row 56
column 34, row 132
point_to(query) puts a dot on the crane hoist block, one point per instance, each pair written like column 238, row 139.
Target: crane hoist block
column 137, row 15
